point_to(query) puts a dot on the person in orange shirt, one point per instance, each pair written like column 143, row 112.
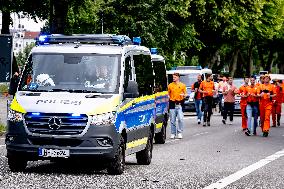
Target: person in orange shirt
column 207, row 89
column 266, row 92
column 243, row 103
column 177, row 93
column 252, row 107
column 277, row 102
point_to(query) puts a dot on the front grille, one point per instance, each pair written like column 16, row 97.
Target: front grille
column 69, row 125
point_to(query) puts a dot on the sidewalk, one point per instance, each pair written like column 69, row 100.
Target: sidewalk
column 3, row 109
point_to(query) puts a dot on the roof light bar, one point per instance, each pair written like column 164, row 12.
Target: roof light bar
column 137, row 40
column 84, row 38
column 154, row 51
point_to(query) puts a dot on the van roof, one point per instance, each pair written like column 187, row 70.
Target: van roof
column 156, row 57
column 88, row 48
column 203, row 71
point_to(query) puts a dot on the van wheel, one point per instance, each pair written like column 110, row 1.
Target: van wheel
column 160, row 138
column 117, row 165
column 144, row 157
column 17, row 164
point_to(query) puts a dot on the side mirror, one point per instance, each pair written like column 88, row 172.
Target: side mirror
column 131, row 90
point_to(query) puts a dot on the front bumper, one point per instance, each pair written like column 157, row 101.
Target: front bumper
column 99, row 142
column 189, row 106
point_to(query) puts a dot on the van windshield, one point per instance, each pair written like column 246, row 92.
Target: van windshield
column 189, row 79
column 71, row 72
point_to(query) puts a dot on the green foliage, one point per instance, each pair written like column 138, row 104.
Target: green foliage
column 3, row 88
column 186, row 32
column 2, row 129
column 22, row 56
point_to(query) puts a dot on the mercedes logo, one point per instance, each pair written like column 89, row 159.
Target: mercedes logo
column 54, row 123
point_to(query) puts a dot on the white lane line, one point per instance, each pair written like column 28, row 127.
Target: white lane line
column 2, row 146
column 245, row 171
column 193, row 117
column 3, row 156
column 198, row 134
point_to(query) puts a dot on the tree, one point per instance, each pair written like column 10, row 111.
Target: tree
column 23, row 56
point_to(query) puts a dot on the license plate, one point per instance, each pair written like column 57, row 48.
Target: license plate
column 42, row 152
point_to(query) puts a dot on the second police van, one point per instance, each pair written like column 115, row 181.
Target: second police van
column 87, row 96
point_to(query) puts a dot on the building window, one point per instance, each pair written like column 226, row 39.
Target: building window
column 27, row 43
column 20, row 45
column 16, row 45
column 23, row 26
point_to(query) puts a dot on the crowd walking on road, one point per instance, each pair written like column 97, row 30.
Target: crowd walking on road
column 260, row 102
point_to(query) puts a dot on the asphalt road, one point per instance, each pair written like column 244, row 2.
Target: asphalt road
column 202, row 158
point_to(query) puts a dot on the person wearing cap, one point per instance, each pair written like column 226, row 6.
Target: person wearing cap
column 207, row 89
column 177, row 93
column 243, row 102
column 266, row 92
column 277, row 102
column 252, row 107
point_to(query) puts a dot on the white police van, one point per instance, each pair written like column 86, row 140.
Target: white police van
column 161, row 86
column 85, row 96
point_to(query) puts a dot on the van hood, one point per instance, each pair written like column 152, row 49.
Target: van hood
column 65, row 102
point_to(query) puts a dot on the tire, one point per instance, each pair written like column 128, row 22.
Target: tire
column 117, row 165
column 17, row 164
column 160, row 138
column 144, row 157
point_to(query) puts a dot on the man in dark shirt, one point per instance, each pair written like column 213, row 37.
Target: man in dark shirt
column 197, row 98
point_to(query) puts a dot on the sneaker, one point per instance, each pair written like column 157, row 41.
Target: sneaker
column 198, row 121
column 244, row 129
column 208, row 124
column 254, row 133
column 247, row 132
column 265, row 134
column 230, row 123
column 204, row 124
column 224, row 121
column 179, row 136
column 278, row 123
column 273, row 125
column 173, row 136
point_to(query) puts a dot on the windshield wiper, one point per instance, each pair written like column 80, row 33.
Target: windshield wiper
column 74, row 90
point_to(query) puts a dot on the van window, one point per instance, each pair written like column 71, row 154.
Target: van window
column 144, row 74
column 160, row 76
column 127, row 71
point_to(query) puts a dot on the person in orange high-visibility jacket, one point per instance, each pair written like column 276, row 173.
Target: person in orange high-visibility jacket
column 243, row 103
column 277, row 102
column 266, row 92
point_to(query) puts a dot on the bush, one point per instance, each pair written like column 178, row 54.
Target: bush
column 3, row 88
column 2, row 129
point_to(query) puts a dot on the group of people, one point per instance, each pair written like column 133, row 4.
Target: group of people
column 259, row 100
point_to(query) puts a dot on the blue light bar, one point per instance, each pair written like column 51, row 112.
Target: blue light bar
column 76, row 115
column 154, row 51
column 36, row 113
column 42, row 39
column 137, row 40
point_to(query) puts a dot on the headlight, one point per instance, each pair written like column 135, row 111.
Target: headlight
column 15, row 116
column 190, row 99
column 103, row 119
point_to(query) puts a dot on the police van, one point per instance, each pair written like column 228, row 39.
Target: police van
column 160, row 88
column 86, row 96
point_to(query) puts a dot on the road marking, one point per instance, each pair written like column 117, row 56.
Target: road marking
column 198, row 134
column 189, row 118
column 3, row 156
column 2, row 146
column 245, row 171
